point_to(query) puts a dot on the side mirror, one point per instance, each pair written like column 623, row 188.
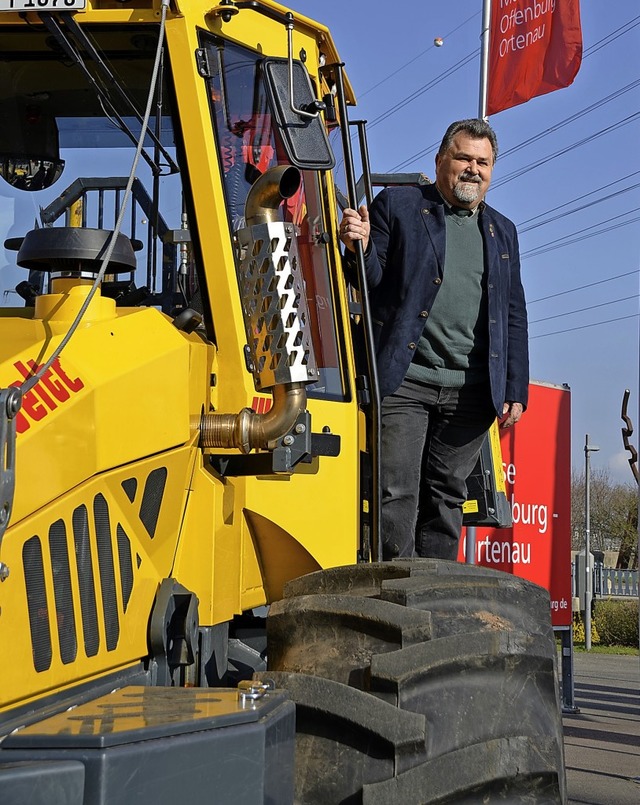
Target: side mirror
column 296, row 112
column 29, row 148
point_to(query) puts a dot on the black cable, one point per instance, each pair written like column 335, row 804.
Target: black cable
column 415, row 157
column 572, row 118
column 581, row 196
column 561, row 242
column 584, row 309
column 597, row 46
column 532, row 165
column 585, row 326
column 582, row 287
column 415, row 58
column 579, row 209
column 610, row 37
column 424, row 88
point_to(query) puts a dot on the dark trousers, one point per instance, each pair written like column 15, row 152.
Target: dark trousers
column 430, row 441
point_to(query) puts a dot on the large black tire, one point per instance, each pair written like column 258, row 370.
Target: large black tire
column 419, row 681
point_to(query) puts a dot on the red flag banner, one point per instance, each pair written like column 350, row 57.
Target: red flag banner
column 535, row 47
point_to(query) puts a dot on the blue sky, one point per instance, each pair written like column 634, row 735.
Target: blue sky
column 409, row 91
column 574, row 148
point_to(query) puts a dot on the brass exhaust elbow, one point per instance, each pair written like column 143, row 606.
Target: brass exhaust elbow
column 248, row 430
column 268, row 192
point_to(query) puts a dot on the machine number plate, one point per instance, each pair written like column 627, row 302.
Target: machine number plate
column 41, row 5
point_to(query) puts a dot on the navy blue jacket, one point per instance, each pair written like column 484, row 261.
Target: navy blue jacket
column 404, row 265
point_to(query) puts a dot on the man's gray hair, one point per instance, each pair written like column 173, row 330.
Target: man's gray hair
column 474, row 127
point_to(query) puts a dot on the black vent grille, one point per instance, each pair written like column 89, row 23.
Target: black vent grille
column 37, row 603
column 126, row 566
column 65, row 618
column 87, row 540
column 152, row 499
column 86, row 581
column 106, row 570
column 130, row 487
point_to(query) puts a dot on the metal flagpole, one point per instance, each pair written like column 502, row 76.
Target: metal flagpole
column 484, row 58
column 470, row 535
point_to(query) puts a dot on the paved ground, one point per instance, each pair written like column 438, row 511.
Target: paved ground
column 602, row 741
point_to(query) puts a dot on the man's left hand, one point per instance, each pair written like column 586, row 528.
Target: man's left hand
column 355, row 226
column 512, row 411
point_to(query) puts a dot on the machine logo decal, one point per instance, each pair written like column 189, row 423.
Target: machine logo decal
column 53, row 389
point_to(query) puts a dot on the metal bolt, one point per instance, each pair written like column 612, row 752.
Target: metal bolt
column 300, row 428
column 288, row 440
column 13, row 402
column 249, row 691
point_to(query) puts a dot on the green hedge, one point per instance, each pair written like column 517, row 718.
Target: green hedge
column 616, row 622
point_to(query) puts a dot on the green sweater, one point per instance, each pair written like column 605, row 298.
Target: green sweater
column 452, row 351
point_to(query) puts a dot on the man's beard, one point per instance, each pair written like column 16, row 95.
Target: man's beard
column 467, row 190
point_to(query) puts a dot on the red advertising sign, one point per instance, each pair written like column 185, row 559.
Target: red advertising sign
column 535, row 47
column 536, row 461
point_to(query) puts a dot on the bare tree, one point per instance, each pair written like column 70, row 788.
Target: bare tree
column 613, row 515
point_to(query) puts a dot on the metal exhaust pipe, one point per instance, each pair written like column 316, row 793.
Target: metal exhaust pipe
column 284, row 370
column 248, row 430
column 268, row 192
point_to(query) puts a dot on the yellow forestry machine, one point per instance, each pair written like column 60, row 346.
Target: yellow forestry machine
column 192, row 606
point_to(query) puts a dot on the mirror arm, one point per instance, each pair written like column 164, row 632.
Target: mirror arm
column 292, row 106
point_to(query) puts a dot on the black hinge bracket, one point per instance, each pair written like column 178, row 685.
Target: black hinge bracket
column 202, row 63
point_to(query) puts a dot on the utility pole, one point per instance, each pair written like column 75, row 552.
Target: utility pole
column 588, row 575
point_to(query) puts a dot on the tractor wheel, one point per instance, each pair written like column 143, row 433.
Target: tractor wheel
column 419, row 681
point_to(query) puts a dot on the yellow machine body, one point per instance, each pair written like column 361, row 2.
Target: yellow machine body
column 113, row 492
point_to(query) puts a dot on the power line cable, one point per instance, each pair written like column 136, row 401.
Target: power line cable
column 415, row 58
column 421, row 89
column 582, row 196
column 424, row 88
column 415, row 157
column 581, row 287
column 540, row 135
column 572, row 118
column 536, row 164
column 606, row 40
column 585, row 326
column 579, row 208
column 584, row 309
column 559, row 243
column 594, row 48
column 581, row 113
column 609, row 38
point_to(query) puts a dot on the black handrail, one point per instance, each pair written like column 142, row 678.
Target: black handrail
column 372, row 407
